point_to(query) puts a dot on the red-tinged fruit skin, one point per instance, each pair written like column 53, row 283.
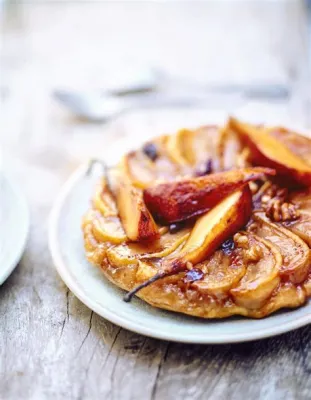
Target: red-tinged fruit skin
column 266, row 150
column 208, row 233
column 137, row 221
column 212, row 229
column 295, row 142
column 178, row 201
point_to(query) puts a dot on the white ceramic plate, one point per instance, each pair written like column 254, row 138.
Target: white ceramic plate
column 14, row 226
column 94, row 290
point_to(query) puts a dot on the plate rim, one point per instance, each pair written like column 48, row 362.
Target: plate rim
column 70, row 282
column 23, row 203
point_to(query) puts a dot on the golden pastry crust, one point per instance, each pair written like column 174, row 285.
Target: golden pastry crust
column 266, row 268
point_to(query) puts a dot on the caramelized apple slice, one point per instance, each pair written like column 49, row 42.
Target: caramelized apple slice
column 105, row 229
column 200, row 145
column 264, row 262
column 302, row 225
column 136, row 219
column 295, row 253
column 131, row 252
column 230, row 150
column 215, row 227
column 175, row 146
column 183, row 199
column 103, row 200
column 268, row 151
column 185, row 141
column 95, row 252
column 139, row 168
column 221, row 272
column 167, row 167
column 144, row 271
column 287, row 295
column 155, row 161
column 296, row 143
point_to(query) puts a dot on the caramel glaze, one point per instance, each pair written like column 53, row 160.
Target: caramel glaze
column 260, row 270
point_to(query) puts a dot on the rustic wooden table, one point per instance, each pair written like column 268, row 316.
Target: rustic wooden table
column 51, row 345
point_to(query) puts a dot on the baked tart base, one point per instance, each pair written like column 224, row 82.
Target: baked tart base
column 261, row 267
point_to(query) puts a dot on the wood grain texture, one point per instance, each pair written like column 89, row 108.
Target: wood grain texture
column 51, row 345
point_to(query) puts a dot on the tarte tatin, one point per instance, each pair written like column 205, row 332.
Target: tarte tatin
column 210, row 222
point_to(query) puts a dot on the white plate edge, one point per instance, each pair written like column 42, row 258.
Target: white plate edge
column 66, row 277
column 26, row 226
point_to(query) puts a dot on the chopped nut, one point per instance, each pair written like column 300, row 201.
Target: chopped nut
column 274, row 203
column 276, row 210
column 265, row 198
column 241, row 240
column 286, row 215
column 273, row 209
column 274, row 193
column 252, row 227
column 289, row 212
column 280, row 212
column 253, row 254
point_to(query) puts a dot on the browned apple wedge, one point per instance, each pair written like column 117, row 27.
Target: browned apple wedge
column 221, row 272
column 209, row 231
column 140, row 168
column 103, row 200
column 197, row 146
column 157, row 160
column 105, row 229
column 264, row 262
column 213, row 228
column 296, row 143
column 95, row 252
column 267, row 151
column 295, row 253
column 183, row 143
column 131, row 252
column 137, row 221
column 287, row 295
column 302, row 225
column 185, row 198
column 175, row 146
column 231, row 152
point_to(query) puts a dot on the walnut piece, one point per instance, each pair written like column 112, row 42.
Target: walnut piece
column 241, row 240
column 278, row 211
column 274, row 192
column 276, row 207
column 253, row 254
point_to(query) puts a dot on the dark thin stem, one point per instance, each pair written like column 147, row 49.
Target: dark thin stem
column 128, row 297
